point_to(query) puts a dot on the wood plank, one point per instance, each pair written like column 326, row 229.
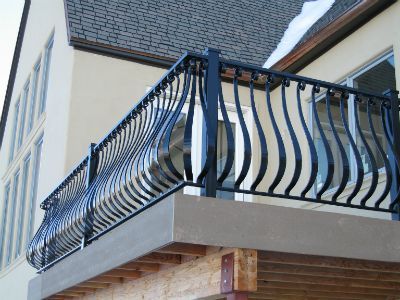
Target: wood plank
column 245, row 270
column 329, row 272
column 71, row 294
column 161, row 258
column 267, row 276
column 81, row 289
column 141, row 266
column 337, row 295
column 198, row 278
column 264, row 286
column 184, row 249
column 106, row 279
column 123, row 273
column 96, row 285
column 328, row 262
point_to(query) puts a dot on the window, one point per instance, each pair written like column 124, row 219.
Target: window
column 32, row 104
column 375, row 78
column 22, row 206
column 34, row 186
column 13, row 203
column 45, row 76
column 15, row 126
column 25, row 94
column 4, row 221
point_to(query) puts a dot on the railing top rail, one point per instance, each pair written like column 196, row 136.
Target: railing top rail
column 298, row 78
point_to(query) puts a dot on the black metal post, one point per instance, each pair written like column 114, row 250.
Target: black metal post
column 91, row 172
column 209, row 143
column 395, row 130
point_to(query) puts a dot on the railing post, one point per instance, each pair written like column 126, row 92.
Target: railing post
column 209, row 142
column 90, row 173
column 395, row 130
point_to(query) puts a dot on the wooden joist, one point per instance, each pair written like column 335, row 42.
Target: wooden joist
column 161, row 258
column 141, row 266
column 328, row 262
column 184, row 249
column 123, row 273
column 95, row 285
column 106, row 279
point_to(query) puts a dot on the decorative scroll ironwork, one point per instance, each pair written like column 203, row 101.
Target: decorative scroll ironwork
column 270, row 149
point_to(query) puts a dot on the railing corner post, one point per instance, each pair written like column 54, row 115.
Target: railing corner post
column 395, row 130
column 90, row 174
column 209, row 140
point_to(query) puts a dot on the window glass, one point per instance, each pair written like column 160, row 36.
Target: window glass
column 32, row 104
column 4, row 217
column 377, row 79
column 45, row 77
column 12, row 222
column 25, row 94
column 319, row 145
column 22, row 206
column 14, row 130
column 33, row 193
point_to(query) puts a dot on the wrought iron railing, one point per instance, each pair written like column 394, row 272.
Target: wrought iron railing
column 255, row 139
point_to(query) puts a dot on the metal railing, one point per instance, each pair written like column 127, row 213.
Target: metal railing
column 150, row 153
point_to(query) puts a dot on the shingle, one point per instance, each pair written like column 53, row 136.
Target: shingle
column 245, row 30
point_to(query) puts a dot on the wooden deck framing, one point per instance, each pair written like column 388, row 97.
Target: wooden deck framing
column 186, row 271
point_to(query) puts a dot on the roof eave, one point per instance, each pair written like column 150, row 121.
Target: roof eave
column 331, row 35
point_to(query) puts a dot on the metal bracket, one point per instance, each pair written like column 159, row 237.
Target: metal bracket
column 227, row 263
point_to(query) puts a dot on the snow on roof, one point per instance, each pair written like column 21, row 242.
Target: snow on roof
column 310, row 13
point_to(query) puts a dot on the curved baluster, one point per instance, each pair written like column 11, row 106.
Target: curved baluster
column 313, row 153
column 327, row 148
column 295, row 143
column 360, row 168
column 281, row 146
column 246, row 138
column 374, row 171
column 261, row 136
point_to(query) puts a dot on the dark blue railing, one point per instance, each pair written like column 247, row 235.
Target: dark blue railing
column 149, row 154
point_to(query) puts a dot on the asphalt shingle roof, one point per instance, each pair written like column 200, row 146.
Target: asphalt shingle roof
column 245, row 30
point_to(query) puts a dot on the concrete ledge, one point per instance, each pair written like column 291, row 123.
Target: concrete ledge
column 215, row 222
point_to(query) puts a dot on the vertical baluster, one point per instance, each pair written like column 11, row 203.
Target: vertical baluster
column 278, row 136
column 374, row 171
column 261, row 136
column 313, row 153
column 245, row 133
column 327, row 148
column 360, row 168
column 296, row 148
column 394, row 128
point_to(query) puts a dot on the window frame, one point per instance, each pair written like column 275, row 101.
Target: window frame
column 35, row 80
column 45, row 75
column 4, row 221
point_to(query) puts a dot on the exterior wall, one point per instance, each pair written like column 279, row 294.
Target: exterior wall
column 45, row 17
column 380, row 35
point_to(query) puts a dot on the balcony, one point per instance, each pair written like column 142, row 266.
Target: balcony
column 213, row 128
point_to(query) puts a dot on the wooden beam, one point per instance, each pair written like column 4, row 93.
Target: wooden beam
column 95, row 285
column 106, row 279
column 71, row 294
column 245, row 270
column 265, row 286
column 123, row 273
column 81, row 289
column 267, row 276
column 141, row 266
column 161, row 258
column 237, row 296
column 336, row 295
column 328, row 262
column 329, row 272
column 184, row 249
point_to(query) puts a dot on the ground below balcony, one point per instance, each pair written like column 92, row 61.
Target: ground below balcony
column 189, row 247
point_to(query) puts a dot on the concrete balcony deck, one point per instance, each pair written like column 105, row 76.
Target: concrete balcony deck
column 174, row 250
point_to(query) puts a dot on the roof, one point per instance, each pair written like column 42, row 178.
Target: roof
column 243, row 30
